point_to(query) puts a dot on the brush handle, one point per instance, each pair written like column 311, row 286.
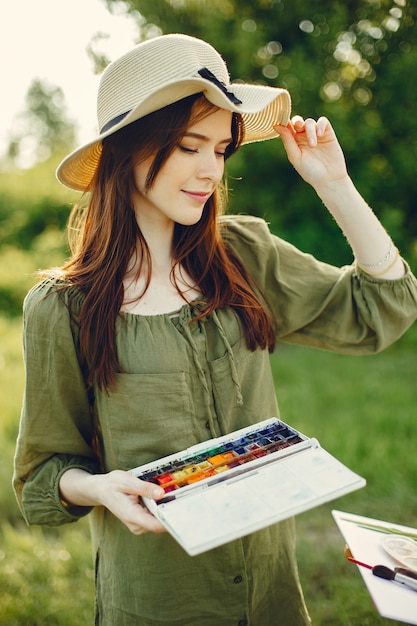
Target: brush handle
column 406, row 577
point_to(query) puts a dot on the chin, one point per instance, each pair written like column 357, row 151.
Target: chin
column 190, row 220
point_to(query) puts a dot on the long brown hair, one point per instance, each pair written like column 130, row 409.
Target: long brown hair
column 105, row 238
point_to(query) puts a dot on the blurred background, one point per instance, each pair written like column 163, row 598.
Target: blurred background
column 352, row 60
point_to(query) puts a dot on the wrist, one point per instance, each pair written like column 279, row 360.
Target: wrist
column 78, row 487
column 337, row 193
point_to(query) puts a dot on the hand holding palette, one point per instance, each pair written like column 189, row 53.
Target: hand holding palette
column 228, row 487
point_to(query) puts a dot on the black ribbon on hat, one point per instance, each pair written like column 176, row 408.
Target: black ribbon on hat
column 114, row 121
column 205, row 73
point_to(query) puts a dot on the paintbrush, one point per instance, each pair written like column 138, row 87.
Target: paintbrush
column 398, row 574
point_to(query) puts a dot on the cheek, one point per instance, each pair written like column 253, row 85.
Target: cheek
column 169, row 178
column 140, row 174
column 177, row 168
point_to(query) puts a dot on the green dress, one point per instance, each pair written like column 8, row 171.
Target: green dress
column 185, row 382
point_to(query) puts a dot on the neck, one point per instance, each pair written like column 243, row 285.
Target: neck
column 159, row 239
column 161, row 294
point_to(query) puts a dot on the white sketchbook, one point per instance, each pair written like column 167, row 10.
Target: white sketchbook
column 367, row 541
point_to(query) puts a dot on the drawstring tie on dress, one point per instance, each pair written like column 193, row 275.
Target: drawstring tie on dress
column 231, row 357
column 186, row 319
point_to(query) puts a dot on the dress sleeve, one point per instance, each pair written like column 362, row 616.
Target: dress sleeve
column 319, row 305
column 56, row 427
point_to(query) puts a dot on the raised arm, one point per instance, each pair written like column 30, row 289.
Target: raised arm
column 314, row 151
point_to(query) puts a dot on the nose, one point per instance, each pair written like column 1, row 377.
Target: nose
column 211, row 167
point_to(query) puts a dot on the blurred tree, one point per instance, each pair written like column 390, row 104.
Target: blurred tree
column 33, row 215
column 351, row 60
column 43, row 128
column 98, row 58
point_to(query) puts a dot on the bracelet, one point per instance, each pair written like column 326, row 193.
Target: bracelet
column 385, row 270
column 64, row 503
column 382, row 261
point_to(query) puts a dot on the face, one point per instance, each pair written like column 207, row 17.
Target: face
column 189, row 176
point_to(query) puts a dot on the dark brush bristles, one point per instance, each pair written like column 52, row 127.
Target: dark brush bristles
column 383, row 572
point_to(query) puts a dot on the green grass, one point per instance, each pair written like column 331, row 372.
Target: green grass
column 46, row 578
column 362, row 409
column 46, row 575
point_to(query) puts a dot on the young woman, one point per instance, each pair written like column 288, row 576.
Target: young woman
column 156, row 334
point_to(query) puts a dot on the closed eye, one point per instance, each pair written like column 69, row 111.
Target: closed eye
column 187, row 150
column 219, row 154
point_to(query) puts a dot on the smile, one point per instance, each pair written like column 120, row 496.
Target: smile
column 198, row 197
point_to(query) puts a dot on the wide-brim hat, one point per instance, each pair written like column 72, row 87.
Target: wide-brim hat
column 159, row 72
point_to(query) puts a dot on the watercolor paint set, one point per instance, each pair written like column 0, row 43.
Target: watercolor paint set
column 225, row 488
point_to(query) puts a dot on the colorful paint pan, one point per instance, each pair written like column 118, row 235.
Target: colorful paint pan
column 218, row 459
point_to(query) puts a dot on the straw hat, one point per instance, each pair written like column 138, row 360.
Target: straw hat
column 157, row 73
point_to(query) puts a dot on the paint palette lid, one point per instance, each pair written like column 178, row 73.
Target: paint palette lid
column 402, row 549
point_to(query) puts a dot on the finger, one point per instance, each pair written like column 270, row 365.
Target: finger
column 323, row 125
column 325, row 129
column 143, row 521
column 287, row 134
column 307, row 127
column 310, row 127
column 135, row 515
column 145, row 489
column 147, row 523
column 127, row 483
column 297, row 122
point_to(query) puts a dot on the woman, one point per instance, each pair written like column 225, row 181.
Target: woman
column 156, row 334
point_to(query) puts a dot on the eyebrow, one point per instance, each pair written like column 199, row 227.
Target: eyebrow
column 205, row 138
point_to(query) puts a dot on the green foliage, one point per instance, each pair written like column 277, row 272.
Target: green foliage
column 43, row 128
column 34, row 210
column 352, row 63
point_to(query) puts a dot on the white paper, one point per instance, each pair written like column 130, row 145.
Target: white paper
column 391, row 599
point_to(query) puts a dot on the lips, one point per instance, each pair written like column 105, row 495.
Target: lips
column 197, row 196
